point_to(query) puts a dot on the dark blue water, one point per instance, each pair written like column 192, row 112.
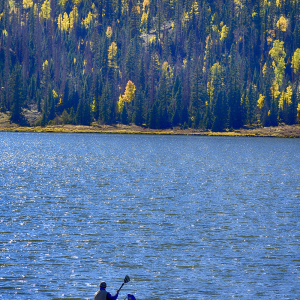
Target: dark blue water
column 184, row 217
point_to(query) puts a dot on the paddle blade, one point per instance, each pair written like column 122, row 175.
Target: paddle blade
column 127, row 279
column 130, row 297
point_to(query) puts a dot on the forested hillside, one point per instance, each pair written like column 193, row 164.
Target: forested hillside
column 203, row 64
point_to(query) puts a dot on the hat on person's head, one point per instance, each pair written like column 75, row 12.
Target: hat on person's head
column 103, row 284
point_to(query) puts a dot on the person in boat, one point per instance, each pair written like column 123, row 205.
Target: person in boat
column 102, row 294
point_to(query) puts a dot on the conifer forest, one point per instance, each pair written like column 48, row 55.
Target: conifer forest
column 211, row 64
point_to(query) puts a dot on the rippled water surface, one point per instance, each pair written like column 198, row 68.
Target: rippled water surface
column 184, row 217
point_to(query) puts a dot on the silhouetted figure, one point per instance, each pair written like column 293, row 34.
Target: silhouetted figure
column 102, row 294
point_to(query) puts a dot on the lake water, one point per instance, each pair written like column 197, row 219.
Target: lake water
column 185, row 217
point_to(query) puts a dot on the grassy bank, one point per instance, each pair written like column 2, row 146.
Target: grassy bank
column 280, row 131
column 287, row 131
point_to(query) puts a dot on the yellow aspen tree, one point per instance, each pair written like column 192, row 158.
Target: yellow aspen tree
column 55, row 95
column 145, row 4
column 93, row 105
column 224, row 33
column 215, row 71
column 73, row 16
column 155, row 62
column 88, row 20
column 129, row 92
column 296, row 61
column 27, row 3
column 109, row 32
column 66, row 22
column 59, row 22
column 278, row 55
column 286, row 97
column 45, row 10
column 260, row 101
column 144, row 18
column 35, row 10
column 120, row 104
column 279, row 71
column 275, row 90
column 298, row 111
column 112, row 52
column 195, row 8
column 282, row 24
column 76, row 2
column 167, row 71
column 62, row 3
column 264, row 69
column 12, row 5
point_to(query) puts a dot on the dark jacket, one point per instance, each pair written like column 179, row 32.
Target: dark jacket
column 102, row 294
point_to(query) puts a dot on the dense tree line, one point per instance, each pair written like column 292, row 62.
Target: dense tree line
column 162, row 63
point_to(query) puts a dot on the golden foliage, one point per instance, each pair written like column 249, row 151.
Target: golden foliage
column 195, row 8
column 278, row 54
column 282, row 24
column 286, row 97
column 45, row 10
column 27, row 3
column 298, row 110
column 60, row 102
column 76, row 2
column 215, row 70
column 129, row 91
column 66, row 22
column 45, row 64
column 260, row 101
column 155, row 61
column 35, row 9
column 224, row 33
column 12, row 5
column 88, row 20
column 264, row 69
column 59, row 22
column 63, row 22
column 137, row 9
column 73, row 16
column 279, row 70
column 112, row 52
column 296, row 60
column 55, row 95
column 120, row 104
column 167, row 70
column 277, row 51
column 62, row 3
column 4, row 32
column 145, row 4
column 93, row 105
column 275, row 90
column 109, row 31
column 144, row 18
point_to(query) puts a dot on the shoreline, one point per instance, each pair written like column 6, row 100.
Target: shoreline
column 285, row 131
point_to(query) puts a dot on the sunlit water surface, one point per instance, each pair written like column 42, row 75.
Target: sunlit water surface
column 184, row 217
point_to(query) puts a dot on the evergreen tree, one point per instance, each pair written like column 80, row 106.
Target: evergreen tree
column 16, row 97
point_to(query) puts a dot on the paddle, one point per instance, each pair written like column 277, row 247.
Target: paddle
column 126, row 280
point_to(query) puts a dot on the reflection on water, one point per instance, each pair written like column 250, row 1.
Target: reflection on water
column 185, row 217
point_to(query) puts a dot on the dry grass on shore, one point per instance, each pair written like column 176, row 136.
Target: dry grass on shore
column 280, row 131
column 291, row 131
